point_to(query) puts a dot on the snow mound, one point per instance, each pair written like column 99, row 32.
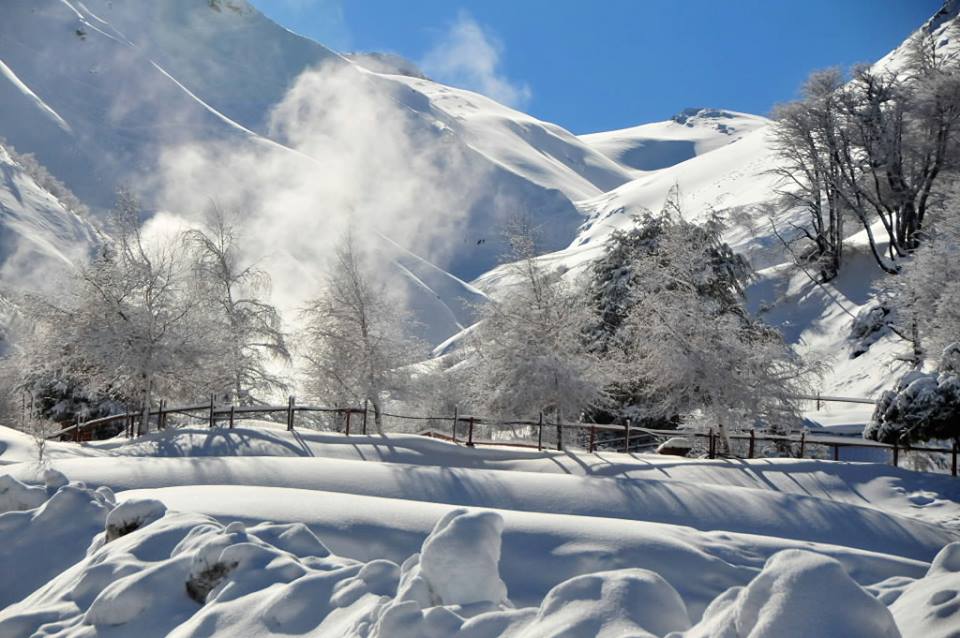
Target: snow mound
column 627, row 602
column 16, row 496
column 798, row 594
column 930, row 606
column 459, row 559
column 131, row 515
column 41, row 541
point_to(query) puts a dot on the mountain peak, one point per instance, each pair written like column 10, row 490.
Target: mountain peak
column 693, row 115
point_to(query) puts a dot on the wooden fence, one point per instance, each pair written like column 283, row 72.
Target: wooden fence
column 467, row 430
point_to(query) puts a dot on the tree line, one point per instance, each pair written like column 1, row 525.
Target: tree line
column 655, row 331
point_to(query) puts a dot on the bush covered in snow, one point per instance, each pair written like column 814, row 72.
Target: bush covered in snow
column 922, row 406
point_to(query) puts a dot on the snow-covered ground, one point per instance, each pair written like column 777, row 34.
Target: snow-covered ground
column 260, row 531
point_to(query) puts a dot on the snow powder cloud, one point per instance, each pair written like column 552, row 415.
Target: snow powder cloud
column 469, row 56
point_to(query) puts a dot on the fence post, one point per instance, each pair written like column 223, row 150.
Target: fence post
column 836, row 452
column 896, row 454
column 559, row 433
column 76, row 433
column 540, row 435
column 232, row 410
column 753, row 439
column 349, row 411
column 953, row 469
column 803, row 443
column 593, row 438
column 470, row 434
column 363, row 427
column 161, row 417
column 818, row 400
column 626, row 438
column 290, row 402
column 212, row 418
column 712, row 447
column 456, row 420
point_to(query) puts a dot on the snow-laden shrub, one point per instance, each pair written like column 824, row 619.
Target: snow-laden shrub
column 15, row 496
column 130, row 516
column 922, row 406
column 44, row 531
column 458, row 563
column 460, row 558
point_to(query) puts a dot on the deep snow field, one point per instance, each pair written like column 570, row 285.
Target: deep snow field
column 316, row 534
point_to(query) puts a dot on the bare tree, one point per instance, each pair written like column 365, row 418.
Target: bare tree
column 357, row 342
column 248, row 328
column 875, row 148
column 805, row 138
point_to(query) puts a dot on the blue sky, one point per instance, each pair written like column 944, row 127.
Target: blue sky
column 607, row 64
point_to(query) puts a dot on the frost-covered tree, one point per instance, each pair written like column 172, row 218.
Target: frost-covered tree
column 925, row 297
column 530, row 351
column 246, row 327
column 128, row 325
column 683, row 339
column 357, row 341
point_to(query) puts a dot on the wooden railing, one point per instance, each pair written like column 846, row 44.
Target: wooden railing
column 465, row 429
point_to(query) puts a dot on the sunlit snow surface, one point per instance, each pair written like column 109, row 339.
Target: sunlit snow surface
column 311, row 533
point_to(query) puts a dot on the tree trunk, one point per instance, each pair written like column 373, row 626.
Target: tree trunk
column 147, row 396
column 377, row 414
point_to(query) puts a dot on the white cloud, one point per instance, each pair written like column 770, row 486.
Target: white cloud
column 470, row 57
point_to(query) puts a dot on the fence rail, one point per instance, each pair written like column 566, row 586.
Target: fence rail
column 465, row 429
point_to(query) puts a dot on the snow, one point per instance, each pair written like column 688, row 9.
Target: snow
column 797, row 594
column 401, row 535
column 256, row 531
column 634, row 602
column 459, row 558
column 928, row 607
column 659, row 145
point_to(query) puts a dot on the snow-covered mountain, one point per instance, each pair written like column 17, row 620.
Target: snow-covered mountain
column 692, row 132
column 200, row 99
column 39, row 235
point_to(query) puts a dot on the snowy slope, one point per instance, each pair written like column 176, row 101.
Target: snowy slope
column 40, row 240
column 36, row 231
column 691, row 132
